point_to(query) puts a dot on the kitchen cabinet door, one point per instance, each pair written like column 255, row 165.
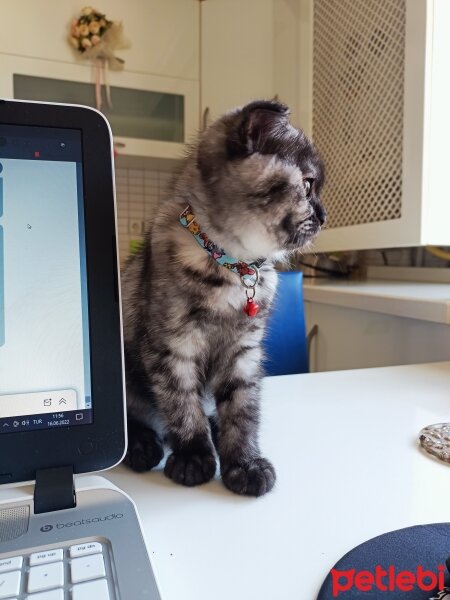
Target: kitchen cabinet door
column 163, row 33
column 236, row 53
column 150, row 116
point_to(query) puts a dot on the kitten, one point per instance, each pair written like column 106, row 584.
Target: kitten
column 251, row 186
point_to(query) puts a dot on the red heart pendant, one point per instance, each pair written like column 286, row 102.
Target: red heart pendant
column 251, row 308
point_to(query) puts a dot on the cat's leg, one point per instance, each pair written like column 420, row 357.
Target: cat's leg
column 145, row 447
column 244, row 470
column 192, row 461
column 178, row 392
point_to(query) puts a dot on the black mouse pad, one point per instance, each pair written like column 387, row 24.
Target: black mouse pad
column 407, row 564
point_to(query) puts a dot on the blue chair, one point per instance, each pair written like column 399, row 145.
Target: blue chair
column 285, row 344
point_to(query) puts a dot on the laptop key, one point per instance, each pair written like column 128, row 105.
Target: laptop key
column 10, row 584
column 40, row 558
column 50, row 595
column 93, row 590
column 56, row 580
column 87, row 567
column 45, row 577
column 10, row 564
column 85, row 549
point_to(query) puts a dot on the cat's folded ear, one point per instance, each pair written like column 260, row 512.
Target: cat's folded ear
column 259, row 123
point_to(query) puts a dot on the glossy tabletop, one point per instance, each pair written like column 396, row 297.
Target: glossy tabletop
column 345, row 448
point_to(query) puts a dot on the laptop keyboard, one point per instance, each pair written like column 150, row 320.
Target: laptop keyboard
column 81, row 571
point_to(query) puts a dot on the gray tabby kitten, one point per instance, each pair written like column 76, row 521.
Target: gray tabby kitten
column 253, row 184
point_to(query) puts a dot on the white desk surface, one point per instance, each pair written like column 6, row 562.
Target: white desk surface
column 427, row 301
column 344, row 445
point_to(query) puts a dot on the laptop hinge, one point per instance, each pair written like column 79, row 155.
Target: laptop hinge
column 54, row 490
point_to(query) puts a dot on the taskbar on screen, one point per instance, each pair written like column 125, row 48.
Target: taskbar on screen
column 45, row 421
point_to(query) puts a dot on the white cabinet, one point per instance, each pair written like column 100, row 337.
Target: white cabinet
column 292, row 74
column 377, row 323
column 163, row 33
column 214, row 54
column 236, row 53
column 155, row 98
column 151, row 116
column 254, row 49
column 350, row 338
column 379, row 101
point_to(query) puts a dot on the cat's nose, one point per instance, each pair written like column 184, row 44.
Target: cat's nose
column 319, row 211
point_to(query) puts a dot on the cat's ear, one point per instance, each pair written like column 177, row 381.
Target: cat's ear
column 260, row 122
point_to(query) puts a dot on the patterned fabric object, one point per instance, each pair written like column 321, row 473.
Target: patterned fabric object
column 246, row 271
column 445, row 593
column 404, row 550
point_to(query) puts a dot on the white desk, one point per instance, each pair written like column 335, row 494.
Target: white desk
column 344, row 445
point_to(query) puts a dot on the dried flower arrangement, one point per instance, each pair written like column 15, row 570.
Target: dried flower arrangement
column 96, row 38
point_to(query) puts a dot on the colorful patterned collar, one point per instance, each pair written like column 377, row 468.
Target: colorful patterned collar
column 248, row 272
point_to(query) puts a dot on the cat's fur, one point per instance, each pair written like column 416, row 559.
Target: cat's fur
column 191, row 351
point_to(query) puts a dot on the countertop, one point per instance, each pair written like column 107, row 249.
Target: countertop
column 416, row 300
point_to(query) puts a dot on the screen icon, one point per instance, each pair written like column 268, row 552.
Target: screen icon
column 79, row 417
column 47, row 401
column 62, row 401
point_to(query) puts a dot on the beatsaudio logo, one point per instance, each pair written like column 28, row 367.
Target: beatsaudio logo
column 111, row 517
column 387, row 580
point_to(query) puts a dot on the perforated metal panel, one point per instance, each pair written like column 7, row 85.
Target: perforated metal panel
column 358, row 59
column 13, row 522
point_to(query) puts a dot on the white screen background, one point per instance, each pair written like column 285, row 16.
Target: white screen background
column 43, row 347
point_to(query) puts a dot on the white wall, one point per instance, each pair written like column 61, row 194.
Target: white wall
column 139, row 192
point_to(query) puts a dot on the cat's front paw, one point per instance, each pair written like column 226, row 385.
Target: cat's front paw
column 190, row 469
column 253, row 478
column 145, row 449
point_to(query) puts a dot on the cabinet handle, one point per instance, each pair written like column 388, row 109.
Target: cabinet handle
column 309, row 340
column 205, row 118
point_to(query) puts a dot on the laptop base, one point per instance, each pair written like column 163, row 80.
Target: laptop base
column 103, row 526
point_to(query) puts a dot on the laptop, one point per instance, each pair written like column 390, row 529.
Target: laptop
column 62, row 408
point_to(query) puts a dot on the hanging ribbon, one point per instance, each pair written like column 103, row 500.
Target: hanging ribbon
column 98, row 83
column 106, row 82
column 101, row 68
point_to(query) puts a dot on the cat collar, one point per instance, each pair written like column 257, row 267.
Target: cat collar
column 248, row 272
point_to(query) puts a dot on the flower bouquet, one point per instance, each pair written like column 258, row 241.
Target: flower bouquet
column 96, row 38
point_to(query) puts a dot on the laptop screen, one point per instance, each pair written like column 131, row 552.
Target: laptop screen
column 44, row 329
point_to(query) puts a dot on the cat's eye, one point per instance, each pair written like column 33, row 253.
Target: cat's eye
column 307, row 183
